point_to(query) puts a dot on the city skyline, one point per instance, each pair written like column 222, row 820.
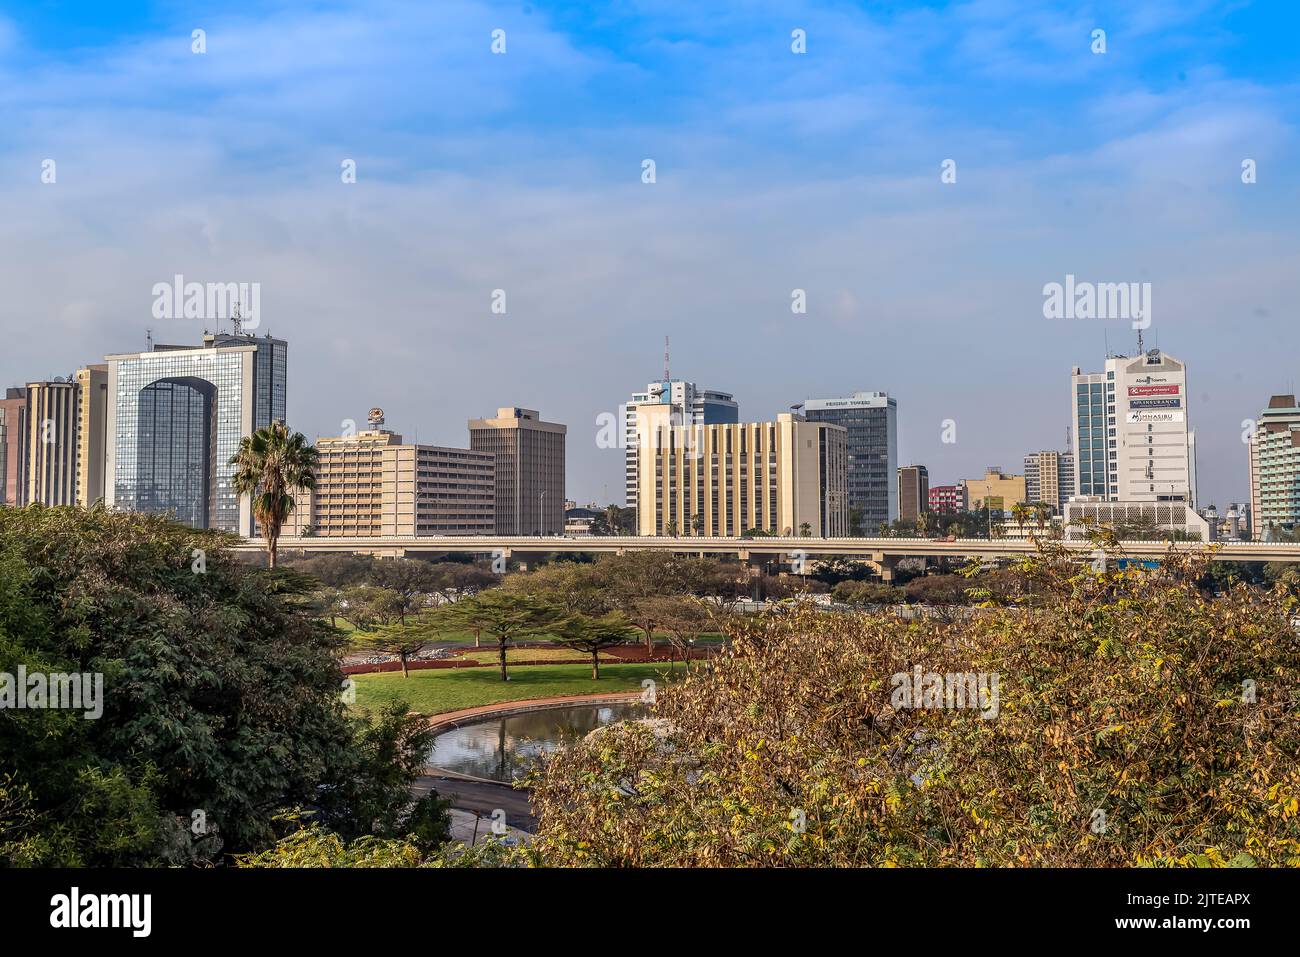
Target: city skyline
column 580, row 491
column 1080, row 164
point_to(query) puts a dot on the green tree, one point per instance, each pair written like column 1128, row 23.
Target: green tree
column 614, row 520
column 1020, row 513
column 573, row 588
column 271, row 465
column 592, row 635
column 506, row 617
column 221, row 693
column 684, row 618
column 403, row 639
column 368, row 606
column 1042, row 515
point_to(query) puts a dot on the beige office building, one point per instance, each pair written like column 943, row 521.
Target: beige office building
column 787, row 477
column 1049, row 478
column 66, row 422
column 92, row 433
column 996, row 491
column 52, row 442
column 372, row 484
column 529, row 470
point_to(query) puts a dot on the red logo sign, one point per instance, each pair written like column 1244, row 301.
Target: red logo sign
column 1153, row 390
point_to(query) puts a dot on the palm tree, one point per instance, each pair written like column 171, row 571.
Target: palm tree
column 613, row 518
column 1020, row 512
column 1042, row 514
column 271, row 464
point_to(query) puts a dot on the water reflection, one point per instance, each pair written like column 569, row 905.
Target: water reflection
column 506, row 748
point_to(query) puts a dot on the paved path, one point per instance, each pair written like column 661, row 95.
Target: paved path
column 482, row 797
column 528, row 704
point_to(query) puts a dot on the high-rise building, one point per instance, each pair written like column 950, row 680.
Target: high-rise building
column 871, row 419
column 1049, row 478
column 787, row 477
column 1132, row 434
column 690, row 405
column 529, row 497
column 92, row 433
column 13, row 447
column 1274, row 461
column 176, row 417
column 948, row 498
column 913, row 492
column 52, row 442
column 62, row 442
column 995, row 492
column 372, row 484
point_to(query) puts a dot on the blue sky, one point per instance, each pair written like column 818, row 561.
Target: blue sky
column 775, row 171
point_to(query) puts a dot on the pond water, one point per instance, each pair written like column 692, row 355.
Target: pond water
column 506, row 748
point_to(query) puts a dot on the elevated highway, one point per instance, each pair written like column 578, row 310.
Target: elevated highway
column 882, row 551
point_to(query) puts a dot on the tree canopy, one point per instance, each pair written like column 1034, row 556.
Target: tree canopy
column 1139, row 721
column 222, row 702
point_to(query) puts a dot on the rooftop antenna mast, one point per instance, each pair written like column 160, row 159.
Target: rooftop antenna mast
column 148, row 338
column 236, row 320
column 666, row 374
column 1141, row 349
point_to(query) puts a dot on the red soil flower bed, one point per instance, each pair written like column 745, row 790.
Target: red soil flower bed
column 626, row 654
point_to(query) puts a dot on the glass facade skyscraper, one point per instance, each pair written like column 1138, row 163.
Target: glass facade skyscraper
column 176, row 416
column 872, row 421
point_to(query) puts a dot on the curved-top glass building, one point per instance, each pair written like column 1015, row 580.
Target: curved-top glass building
column 176, row 415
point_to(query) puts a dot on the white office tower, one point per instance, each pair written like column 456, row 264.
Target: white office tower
column 690, row 405
column 1132, row 439
column 1133, row 446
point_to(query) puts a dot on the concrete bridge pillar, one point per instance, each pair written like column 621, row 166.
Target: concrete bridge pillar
column 883, row 565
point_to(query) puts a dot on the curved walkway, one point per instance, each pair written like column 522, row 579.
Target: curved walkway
column 480, row 796
column 447, row 719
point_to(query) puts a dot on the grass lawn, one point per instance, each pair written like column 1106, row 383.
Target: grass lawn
column 433, row 691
